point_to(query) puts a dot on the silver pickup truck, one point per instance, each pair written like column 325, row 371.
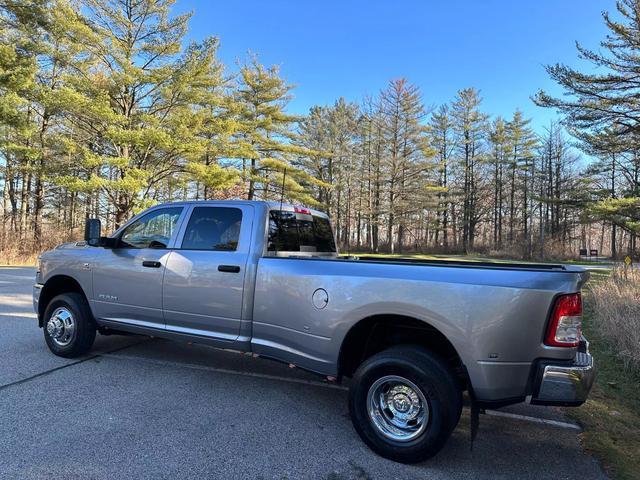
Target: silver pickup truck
column 266, row 278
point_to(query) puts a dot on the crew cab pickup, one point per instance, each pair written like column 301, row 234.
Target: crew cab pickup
column 266, row 278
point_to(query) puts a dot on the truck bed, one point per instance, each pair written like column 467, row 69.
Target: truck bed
column 550, row 267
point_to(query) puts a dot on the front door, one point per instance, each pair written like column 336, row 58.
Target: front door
column 204, row 278
column 127, row 280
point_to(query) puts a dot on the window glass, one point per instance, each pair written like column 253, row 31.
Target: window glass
column 323, row 235
column 213, row 228
column 299, row 232
column 153, row 230
column 283, row 232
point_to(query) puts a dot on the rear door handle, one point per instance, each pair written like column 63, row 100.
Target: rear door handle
column 229, row 268
column 151, row 264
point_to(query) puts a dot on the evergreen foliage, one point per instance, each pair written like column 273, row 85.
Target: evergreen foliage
column 105, row 109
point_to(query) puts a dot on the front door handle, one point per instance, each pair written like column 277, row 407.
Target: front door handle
column 229, row 268
column 151, row 264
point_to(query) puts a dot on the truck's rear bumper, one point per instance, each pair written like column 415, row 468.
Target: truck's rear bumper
column 566, row 385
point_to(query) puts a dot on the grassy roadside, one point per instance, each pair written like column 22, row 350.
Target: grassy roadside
column 611, row 415
column 4, row 264
column 9, row 259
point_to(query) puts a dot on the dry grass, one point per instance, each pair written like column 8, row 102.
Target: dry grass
column 20, row 249
column 616, row 305
column 17, row 259
column 611, row 415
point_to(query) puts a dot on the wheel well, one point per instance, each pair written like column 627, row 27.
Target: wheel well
column 53, row 287
column 374, row 334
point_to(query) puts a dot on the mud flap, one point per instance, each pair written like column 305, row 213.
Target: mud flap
column 474, row 421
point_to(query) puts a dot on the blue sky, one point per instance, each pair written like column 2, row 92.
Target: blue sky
column 352, row 48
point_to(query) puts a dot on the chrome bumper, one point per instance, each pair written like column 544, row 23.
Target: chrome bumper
column 567, row 385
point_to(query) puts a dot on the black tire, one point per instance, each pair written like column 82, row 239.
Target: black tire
column 436, row 383
column 81, row 339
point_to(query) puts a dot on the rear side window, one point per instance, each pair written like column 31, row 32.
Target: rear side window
column 299, row 232
column 213, row 228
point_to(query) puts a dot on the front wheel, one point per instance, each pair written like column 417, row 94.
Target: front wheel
column 69, row 329
column 404, row 403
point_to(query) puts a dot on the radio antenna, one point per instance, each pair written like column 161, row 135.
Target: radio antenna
column 284, row 176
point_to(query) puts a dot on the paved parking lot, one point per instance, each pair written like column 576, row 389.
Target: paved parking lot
column 148, row 408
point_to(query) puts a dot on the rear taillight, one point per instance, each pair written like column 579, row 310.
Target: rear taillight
column 565, row 325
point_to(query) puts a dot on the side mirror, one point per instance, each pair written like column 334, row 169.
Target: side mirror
column 92, row 230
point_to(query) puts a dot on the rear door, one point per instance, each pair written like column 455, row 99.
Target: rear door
column 127, row 280
column 204, row 279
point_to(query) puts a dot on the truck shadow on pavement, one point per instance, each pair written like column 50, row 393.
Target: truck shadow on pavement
column 156, row 409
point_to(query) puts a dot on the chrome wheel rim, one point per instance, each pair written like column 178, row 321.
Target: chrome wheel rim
column 61, row 326
column 397, row 408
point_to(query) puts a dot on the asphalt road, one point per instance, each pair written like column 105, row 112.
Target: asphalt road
column 148, row 408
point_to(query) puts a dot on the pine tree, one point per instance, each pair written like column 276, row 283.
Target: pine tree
column 373, row 143
column 562, row 192
column 470, row 125
column 210, row 111
column 522, row 142
column 17, row 77
column 606, row 100
column 40, row 33
column 268, row 133
column 316, row 134
column 330, row 132
column 601, row 99
column 443, row 142
column 402, row 115
column 500, row 151
column 132, row 127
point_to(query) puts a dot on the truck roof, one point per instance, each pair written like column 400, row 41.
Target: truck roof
column 287, row 207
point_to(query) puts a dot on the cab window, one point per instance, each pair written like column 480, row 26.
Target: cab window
column 299, row 232
column 153, row 230
column 213, row 228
